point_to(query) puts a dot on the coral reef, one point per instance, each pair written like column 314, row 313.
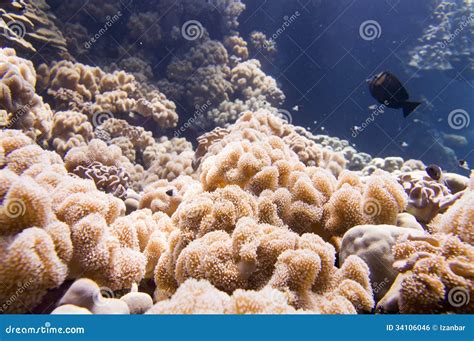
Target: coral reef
column 148, row 166
column 426, row 197
column 102, row 95
column 434, row 270
column 20, row 106
column 30, row 27
column 373, row 243
column 445, row 43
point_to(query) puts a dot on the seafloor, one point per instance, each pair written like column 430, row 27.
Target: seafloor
column 109, row 203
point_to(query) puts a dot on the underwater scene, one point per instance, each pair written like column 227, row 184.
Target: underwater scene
column 236, row 157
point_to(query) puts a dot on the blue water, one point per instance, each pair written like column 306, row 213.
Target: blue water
column 323, row 63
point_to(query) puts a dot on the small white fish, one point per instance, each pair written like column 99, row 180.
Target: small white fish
column 296, row 108
column 315, row 122
column 440, row 120
column 416, row 120
column 463, row 164
column 356, row 128
column 404, row 144
column 373, row 107
column 323, row 129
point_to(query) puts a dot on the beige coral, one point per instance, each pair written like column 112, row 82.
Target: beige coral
column 170, row 166
column 70, row 129
column 373, row 244
column 29, row 267
column 236, row 47
column 20, row 106
column 251, row 256
column 377, row 202
column 200, row 297
column 426, row 197
column 193, row 297
column 252, row 166
column 459, row 218
column 65, row 218
column 116, row 93
column 437, row 275
column 40, row 30
column 165, row 196
column 250, row 81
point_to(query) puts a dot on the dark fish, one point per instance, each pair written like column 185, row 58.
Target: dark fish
column 387, row 89
column 434, row 171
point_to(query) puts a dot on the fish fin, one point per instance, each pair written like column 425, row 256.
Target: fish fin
column 409, row 107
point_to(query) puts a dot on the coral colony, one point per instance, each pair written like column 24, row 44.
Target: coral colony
column 108, row 207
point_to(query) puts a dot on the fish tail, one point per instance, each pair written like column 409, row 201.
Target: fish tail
column 409, row 107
